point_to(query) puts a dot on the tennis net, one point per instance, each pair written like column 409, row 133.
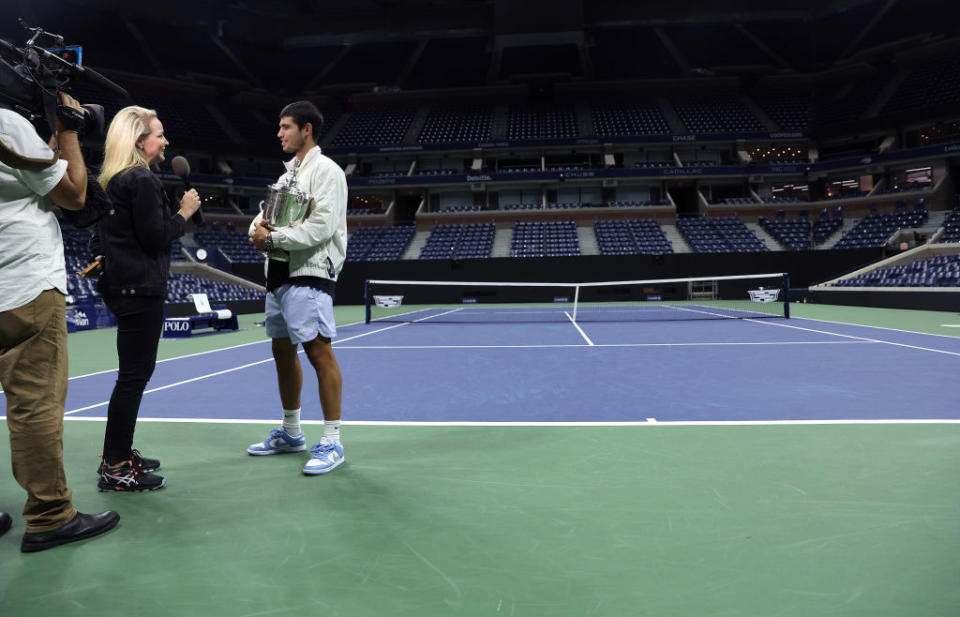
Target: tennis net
column 719, row 297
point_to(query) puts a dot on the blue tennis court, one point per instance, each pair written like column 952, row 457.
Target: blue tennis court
column 484, row 370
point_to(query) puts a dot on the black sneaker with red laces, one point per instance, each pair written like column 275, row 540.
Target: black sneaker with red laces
column 145, row 464
column 128, row 477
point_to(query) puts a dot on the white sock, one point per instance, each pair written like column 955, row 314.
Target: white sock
column 331, row 430
column 291, row 421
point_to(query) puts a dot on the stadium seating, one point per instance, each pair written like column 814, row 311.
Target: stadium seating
column 541, row 122
column 544, row 239
column 717, row 116
column 725, row 234
column 522, row 207
column 653, row 164
column 951, row 226
column 375, row 127
column 76, row 252
column 782, row 200
column 848, row 103
column 901, row 189
column 234, row 245
column 940, row 271
column 875, row 229
column 566, row 205
column 459, row 241
column 792, row 234
column 634, row 204
column 847, row 195
column 628, row 118
column 379, row 243
column 439, row 172
column 790, row 113
column 935, row 83
column 630, row 237
column 176, row 251
column 826, row 225
column 456, row 125
column 180, row 286
column 461, row 208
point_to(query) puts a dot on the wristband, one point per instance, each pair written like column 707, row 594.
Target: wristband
column 268, row 242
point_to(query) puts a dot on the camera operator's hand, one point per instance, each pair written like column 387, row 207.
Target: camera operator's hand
column 71, row 192
column 67, row 101
column 189, row 203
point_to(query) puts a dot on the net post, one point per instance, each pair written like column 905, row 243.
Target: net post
column 786, row 295
column 366, row 300
column 576, row 301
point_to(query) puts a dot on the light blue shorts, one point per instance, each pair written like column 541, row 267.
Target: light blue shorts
column 300, row 314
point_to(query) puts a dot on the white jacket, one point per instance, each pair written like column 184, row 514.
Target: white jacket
column 318, row 246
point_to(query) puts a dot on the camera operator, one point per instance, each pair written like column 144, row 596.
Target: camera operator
column 33, row 333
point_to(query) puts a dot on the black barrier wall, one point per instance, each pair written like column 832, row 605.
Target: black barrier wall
column 893, row 298
column 805, row 268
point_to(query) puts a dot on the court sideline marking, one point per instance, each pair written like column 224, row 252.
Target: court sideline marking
column 592, row 344
column 239, row 368
column 850, row 336
column 198, row 353
column 652, row 422
column 863, row 338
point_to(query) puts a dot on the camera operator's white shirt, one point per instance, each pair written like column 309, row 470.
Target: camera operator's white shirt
column 31, row 247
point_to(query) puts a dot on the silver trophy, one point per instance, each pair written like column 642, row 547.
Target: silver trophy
column 285, row 206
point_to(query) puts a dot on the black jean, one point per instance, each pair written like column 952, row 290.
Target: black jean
column 139, row 325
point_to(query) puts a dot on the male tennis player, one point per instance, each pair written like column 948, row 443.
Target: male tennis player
column 300, row 289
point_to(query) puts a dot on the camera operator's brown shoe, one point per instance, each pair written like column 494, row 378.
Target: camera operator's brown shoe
column 82, row 526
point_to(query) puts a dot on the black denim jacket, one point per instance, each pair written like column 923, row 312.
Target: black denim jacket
column 135, row 236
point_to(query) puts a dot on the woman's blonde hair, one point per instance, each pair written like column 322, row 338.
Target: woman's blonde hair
column 120, row 149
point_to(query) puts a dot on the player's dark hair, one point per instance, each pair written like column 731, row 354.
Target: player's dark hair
column 303, row 113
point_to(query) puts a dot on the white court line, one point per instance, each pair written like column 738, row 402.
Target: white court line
column 860, row 338
column 581, row 345
column 850, row 336
column 337, row 342
column 236, row 368
column 178, row 383
column 860, row 325
column 579, row 329
column 201, row 353
column 637, row 423
column 950, row 325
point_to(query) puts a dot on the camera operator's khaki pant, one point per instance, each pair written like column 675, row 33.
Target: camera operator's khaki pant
column 33, row 372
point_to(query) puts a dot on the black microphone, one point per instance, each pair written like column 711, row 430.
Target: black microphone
column 94, row 77
column 181, row 167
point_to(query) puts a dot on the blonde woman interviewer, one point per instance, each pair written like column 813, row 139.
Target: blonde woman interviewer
column 134, row 241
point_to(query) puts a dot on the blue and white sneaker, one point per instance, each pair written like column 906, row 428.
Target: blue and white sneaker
column 279, row 442
column 326, row 456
